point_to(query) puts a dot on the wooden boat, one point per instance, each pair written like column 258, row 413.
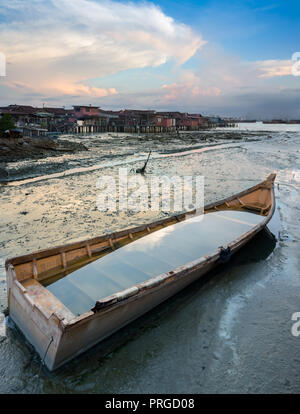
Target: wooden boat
column 68, row 298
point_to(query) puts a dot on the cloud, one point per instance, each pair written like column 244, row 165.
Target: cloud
column 264, row 104
column 64, row 51
column 224, row 84
column 175, row 92
column 56, row 46
column 274, row 68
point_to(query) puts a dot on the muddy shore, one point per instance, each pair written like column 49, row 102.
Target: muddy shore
column 230, row 334
column 34, row 148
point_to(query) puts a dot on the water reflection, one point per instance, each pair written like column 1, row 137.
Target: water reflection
column 259, row 248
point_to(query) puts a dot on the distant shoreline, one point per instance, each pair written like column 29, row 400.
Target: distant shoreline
column 35, row 148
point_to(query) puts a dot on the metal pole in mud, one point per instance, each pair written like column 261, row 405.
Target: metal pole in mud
column 142, row 170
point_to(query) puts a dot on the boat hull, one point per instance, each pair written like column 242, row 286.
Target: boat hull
column 58, row 338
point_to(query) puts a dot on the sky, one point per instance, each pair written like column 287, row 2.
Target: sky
column 215, row 57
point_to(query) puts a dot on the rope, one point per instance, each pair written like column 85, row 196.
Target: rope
column 43, row 361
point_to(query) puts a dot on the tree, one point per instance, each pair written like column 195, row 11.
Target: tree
column 6, row 122
column 44, row 124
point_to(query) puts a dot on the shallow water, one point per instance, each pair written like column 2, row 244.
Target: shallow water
column 230, row 333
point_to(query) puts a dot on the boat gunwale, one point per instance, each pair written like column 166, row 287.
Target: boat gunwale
column 56, row 324
column 120, row 298
column 271, row 178
column 43, row 253
column 40, row 254
column 112, row 301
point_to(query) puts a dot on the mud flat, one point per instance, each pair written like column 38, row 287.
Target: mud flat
column 34, row 148
column 231, row 334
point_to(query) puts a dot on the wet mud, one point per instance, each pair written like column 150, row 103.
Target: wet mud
column 230, row 332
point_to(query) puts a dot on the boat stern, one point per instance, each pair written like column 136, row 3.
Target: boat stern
column 42, row 328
